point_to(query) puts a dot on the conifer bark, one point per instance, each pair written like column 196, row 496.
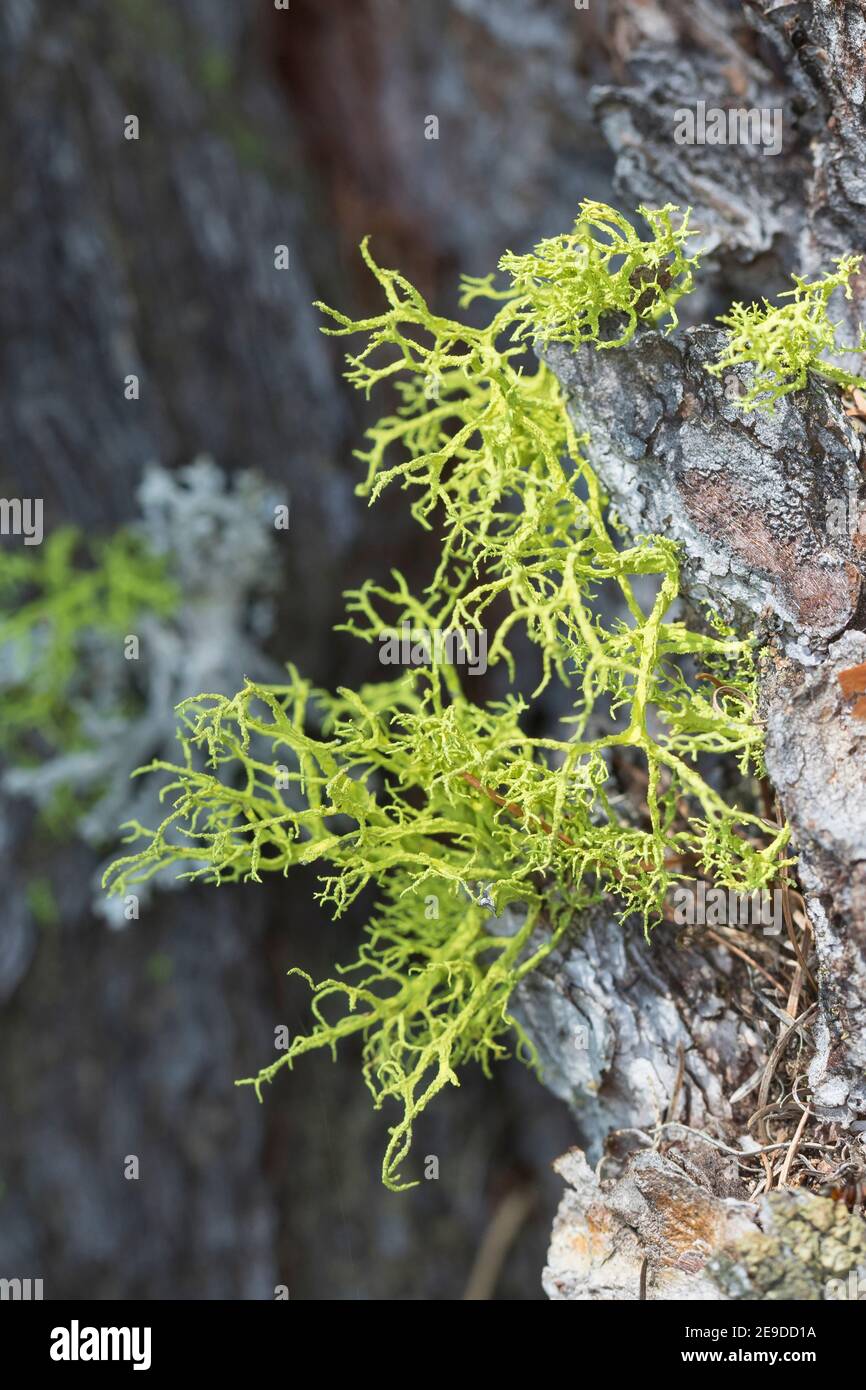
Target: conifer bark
column 768, row 513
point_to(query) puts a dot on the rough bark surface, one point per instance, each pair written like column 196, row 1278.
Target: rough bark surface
column 816, row 757
column 753, row 499
column 767, row 510
column 754, row 502
column 668, row 1233
column 616, row 1041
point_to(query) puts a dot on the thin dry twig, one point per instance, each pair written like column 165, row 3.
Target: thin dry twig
column 794, row 995
column 776, row 1055
column 789, row 1156
column 729, row 945
column 678, row 1082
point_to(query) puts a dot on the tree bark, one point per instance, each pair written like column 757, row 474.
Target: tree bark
column 767, row 511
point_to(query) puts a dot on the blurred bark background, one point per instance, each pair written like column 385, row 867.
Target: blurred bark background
column 258, row 127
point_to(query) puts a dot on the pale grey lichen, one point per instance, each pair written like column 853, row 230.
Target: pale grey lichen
column 220, row 543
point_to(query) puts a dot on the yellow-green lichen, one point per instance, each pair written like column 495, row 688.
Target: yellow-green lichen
column 786, row 342
column 447, row 803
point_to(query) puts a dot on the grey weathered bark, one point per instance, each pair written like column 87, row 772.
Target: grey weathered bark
column 767, row 512
column 752, row 502
column 660, row 1232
